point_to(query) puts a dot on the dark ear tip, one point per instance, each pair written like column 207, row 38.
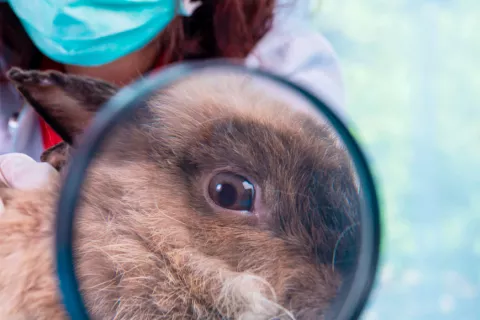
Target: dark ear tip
column 15, row 74
column 32, row 77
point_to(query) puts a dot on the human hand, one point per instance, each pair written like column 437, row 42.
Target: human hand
column 19, row 171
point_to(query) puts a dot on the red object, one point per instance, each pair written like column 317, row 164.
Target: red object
column 49, row 137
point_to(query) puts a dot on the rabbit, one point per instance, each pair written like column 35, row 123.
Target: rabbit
column 218, row 201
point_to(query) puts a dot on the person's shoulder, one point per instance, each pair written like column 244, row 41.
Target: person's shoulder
column 302, row 54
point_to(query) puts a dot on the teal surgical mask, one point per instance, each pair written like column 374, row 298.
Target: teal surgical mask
column 95, row 32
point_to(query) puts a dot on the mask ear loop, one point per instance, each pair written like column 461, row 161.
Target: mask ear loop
column 187, row 7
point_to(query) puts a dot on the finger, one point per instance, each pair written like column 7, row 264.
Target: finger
column 32, row 176
column 8, row 160
column 22, row 172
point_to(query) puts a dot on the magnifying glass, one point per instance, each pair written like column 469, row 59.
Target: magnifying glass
column 210, row 191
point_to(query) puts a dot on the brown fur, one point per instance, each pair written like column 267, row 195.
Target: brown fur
column 57, row 155
column 151, row 246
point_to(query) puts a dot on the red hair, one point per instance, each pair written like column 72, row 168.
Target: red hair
column 12, row 36
column 218, row 28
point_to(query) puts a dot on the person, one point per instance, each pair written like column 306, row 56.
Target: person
column 121, row 40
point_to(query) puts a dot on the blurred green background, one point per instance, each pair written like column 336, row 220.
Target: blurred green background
column 411, row 71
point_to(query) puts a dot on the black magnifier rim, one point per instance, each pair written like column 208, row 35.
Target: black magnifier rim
column 125, row 102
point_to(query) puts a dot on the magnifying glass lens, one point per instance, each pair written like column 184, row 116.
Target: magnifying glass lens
column 210, row 191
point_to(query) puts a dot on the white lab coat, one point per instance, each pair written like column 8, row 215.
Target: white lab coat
column 291, row 49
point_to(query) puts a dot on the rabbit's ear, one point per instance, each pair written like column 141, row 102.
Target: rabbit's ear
column 57, row 155
column 67, row 103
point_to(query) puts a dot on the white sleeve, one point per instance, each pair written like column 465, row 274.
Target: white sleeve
column 304, row 57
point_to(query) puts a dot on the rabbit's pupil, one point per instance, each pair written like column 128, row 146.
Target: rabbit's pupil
column 227, row 195
column 231, row 191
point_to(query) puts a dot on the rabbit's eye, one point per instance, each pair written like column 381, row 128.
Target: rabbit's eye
column 231, row 191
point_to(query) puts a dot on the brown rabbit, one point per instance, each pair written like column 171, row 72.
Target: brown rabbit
column 217, row 202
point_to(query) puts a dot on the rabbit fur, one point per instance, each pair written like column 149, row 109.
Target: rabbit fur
column 149, row 242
